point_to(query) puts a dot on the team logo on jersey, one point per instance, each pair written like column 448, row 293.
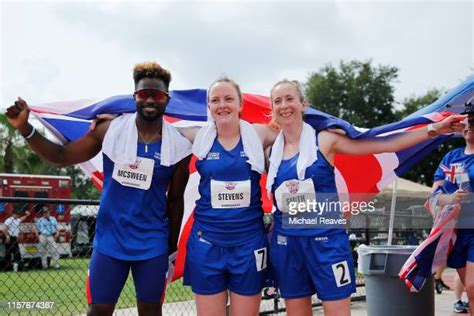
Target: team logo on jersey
column 213, row 156
column 322, row 239
column 452, row 171
column 281, row 240
column 293, row 186
column 136, row 164
column 230, row 185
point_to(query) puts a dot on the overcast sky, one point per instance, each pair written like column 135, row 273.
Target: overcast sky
column 53, row 51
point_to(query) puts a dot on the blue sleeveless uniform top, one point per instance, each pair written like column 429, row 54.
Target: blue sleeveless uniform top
column 132, row 223
column 324, row 183
column 457, row 171
column 228, row 223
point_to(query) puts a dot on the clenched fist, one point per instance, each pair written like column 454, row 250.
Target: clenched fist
column 17, row 116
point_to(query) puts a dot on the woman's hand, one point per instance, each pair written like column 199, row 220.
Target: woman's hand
column 458, row 196
column 451, row 124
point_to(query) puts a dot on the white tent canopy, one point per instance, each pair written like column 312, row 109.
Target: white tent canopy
column 407, row 188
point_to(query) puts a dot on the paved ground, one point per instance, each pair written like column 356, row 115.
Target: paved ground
column 443, row 304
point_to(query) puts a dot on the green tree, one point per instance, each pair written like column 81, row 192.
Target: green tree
column 355, row 91
column 414, row 103
column 19, row 158
column 84, row 189
column 9, row 137
column 362, row 94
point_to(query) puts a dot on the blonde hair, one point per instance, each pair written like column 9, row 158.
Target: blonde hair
column 294, row 83
column 228, row 80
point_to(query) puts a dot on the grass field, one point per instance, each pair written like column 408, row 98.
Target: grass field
column 66, row 288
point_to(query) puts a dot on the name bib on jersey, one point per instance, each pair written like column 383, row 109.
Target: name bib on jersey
column 230, row 194
column 137, row 175
column 291, row 191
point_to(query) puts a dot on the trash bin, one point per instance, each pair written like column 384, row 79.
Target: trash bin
column 386, row 294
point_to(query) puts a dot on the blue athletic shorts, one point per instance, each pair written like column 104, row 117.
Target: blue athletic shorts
column 303, row 266
column 107, row 277
column 463, row 249
column 211, row 269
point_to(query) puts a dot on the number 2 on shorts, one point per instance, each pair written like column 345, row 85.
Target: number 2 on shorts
column 341, row 273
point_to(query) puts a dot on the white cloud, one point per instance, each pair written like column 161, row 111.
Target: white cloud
column 53, row 51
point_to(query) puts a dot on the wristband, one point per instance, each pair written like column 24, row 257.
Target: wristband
column 33, row 130
column 432, row 131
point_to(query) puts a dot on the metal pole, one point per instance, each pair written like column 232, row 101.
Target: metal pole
column 392, row 212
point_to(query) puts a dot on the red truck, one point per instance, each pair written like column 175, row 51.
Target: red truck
column 36, row 186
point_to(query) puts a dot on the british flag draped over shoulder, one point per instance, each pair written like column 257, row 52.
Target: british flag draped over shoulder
column 70, row 120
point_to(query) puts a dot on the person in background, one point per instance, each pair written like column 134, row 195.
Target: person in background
column 460, row 306
column 439, row 283
column 4, row 232
column 411, row 238
column 47, row 228
column 455, row 178
column 13, row 230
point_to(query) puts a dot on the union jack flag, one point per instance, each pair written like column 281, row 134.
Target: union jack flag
column 452, row 171
column 433, row 252
column 70, row 120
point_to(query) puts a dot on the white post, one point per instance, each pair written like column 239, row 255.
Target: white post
column 392, row 212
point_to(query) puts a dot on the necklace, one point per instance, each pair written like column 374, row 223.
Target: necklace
column 147, row 141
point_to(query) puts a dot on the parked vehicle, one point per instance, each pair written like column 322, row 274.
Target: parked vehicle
column 37, row 186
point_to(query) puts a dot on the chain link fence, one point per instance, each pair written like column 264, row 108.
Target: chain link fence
column 32, row 282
